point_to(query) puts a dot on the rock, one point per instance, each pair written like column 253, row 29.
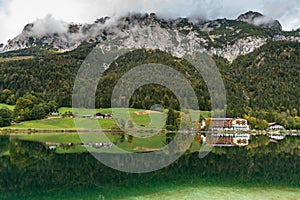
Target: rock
column 1, row 47
column 146, row 30
column 240, row 47
column 28, row 27
column 249, row 17
column 259, row 19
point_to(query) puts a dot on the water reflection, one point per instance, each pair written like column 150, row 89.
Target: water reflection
column 31, row 166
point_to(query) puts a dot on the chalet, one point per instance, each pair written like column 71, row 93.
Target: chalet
column 227, row 124
column 219, row 123
column 275, row 127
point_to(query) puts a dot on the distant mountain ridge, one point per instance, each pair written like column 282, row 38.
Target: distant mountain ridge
column 222, row 37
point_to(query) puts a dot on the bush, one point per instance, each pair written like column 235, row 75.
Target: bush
column 297, row 126
column 5, row 117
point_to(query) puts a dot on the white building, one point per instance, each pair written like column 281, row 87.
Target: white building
column 275, row 127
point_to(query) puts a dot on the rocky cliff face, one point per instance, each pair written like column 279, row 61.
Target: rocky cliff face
column 240, row 47
column 56, row 34
column 259, row 19
column 217, row 37
column 1, row 47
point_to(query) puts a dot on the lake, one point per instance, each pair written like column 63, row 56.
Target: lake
column 265, row 169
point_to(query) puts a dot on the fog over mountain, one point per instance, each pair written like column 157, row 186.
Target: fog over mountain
column 14, row 14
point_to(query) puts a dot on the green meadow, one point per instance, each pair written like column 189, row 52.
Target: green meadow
column 88, row 124
column 138, row 116
column 63, row 124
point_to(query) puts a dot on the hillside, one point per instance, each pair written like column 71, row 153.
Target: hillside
column 259, row 63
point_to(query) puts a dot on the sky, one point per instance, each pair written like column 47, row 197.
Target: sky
column 15, row 14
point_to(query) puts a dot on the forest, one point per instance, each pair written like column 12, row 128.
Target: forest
column 263, row 84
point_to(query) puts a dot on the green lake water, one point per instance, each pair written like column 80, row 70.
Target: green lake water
column 263, row 170
column 217, row 193
column 176, row 192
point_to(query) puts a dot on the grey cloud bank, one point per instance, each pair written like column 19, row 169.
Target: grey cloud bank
column 15, row 14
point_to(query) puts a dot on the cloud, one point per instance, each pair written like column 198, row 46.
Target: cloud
column 288, row 12
column 48, row 25
column 263, row 20
column 15, row 14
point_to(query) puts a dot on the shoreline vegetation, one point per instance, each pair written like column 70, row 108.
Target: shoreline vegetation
column 8, row 131
column 64, row 122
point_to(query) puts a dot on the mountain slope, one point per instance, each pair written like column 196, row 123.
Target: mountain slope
column 270, row 76
column 266, row 79
column 259, row 64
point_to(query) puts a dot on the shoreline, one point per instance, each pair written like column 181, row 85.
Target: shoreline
column 33, row 130
column 10, row 131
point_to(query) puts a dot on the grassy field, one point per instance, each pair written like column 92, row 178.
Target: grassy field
column 16, row 58
column 132, row 111
column 63, row 123
column 8, row 106
column 69, row 123
column 89, row 124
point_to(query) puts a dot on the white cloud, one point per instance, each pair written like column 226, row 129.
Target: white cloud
column 15, row 14
column 49, row 25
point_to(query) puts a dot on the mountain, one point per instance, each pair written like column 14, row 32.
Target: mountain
column 1, row 47
column 222, row 37
column 51, row 33
column 259, row 19
column 258, row 63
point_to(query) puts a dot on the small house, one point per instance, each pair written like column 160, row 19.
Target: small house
column 275, row 127
column 99, row 116
column 55, row 113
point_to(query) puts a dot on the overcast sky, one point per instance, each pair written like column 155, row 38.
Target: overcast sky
column 15, row 14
